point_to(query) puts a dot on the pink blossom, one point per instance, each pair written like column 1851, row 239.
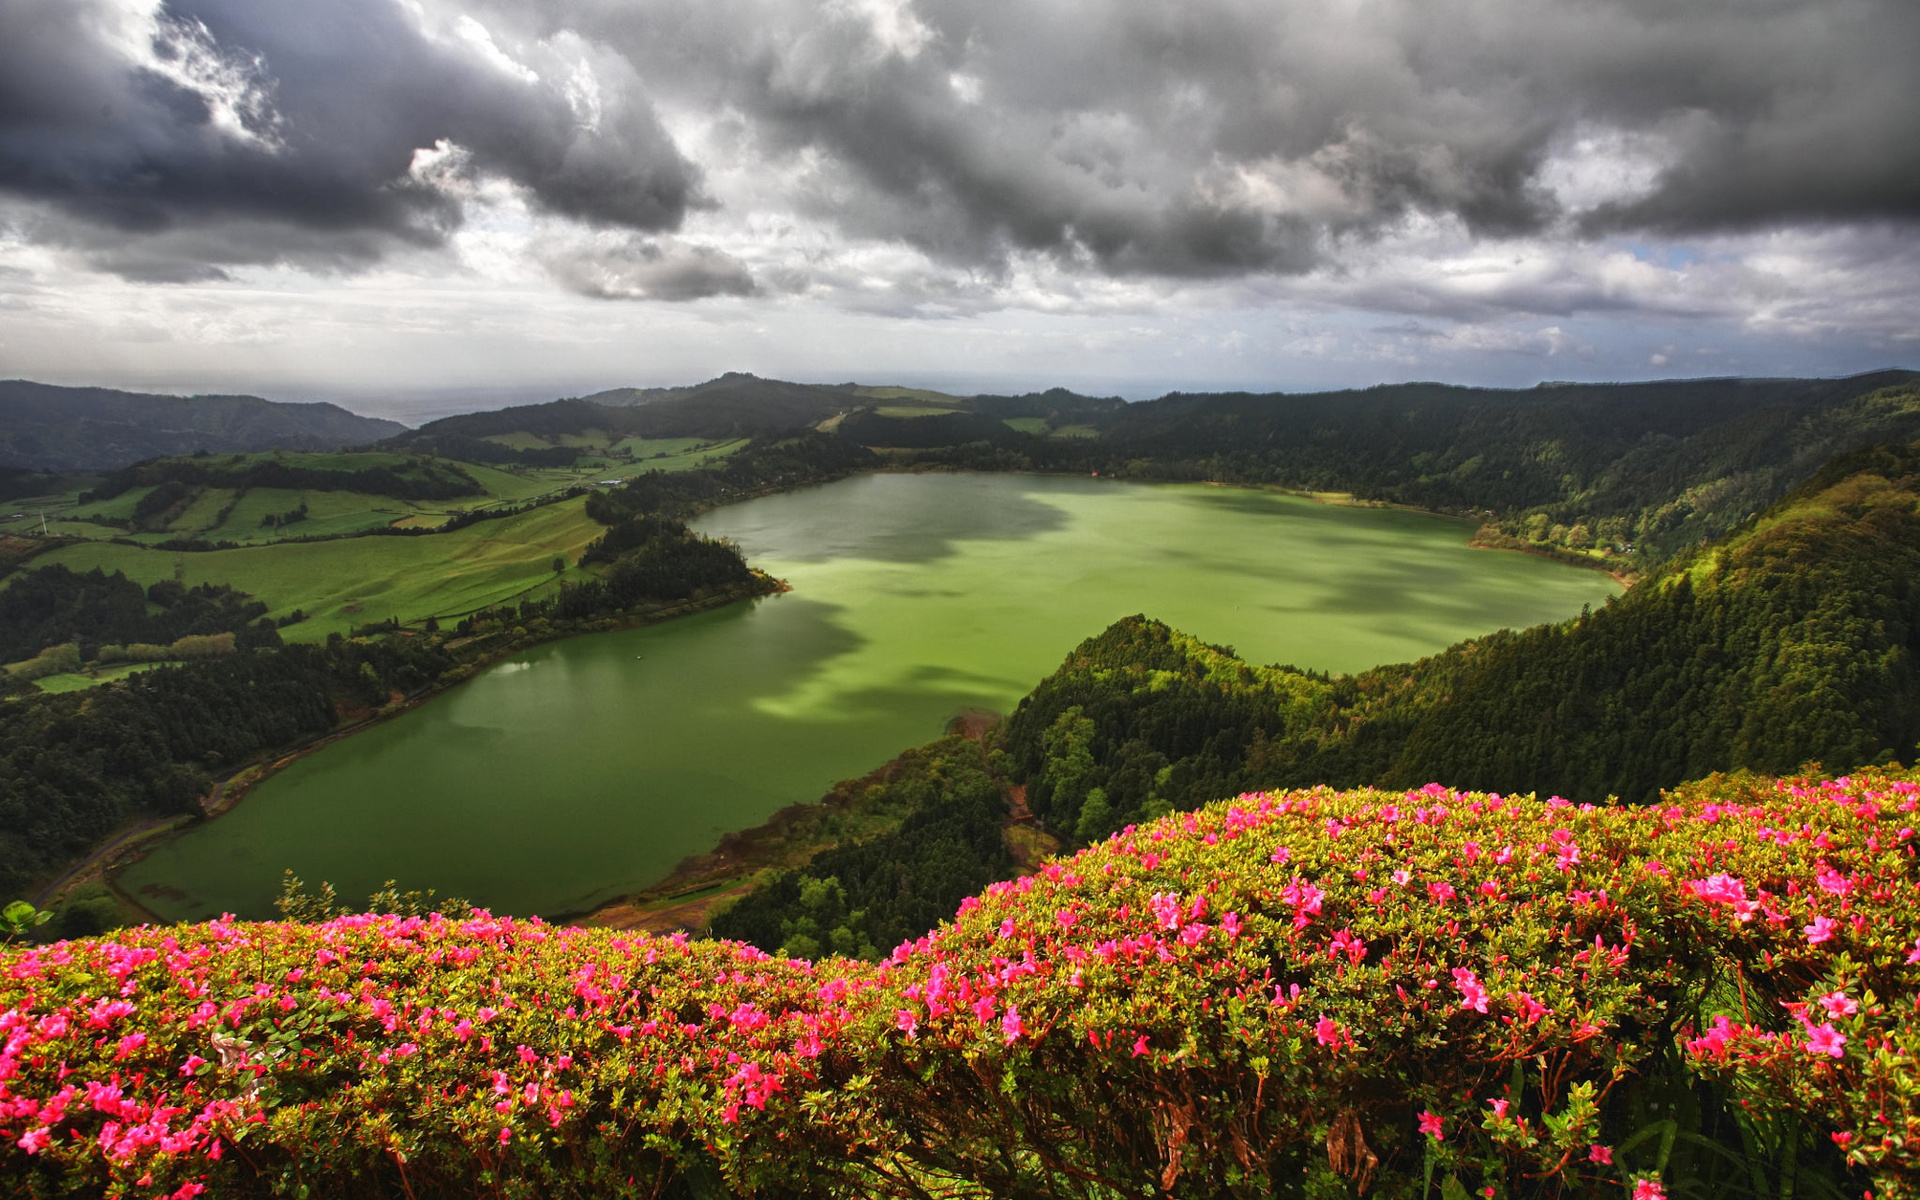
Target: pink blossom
column 1821, row 930
column 506, row 1135
column 1430, row 1125
column 1441, row 891
column 1140, row 1046
column 1472, row 994
column 1499, row 1107
column 33, row 1141
column 1825, row 1039
column 907, row 1022
column 1011, row 1026
column 1326, row 1032
column 1839, row 1004
column 1597, row 1153
column 1648, row 1189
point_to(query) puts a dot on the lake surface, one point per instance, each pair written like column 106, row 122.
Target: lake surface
column 590, row 767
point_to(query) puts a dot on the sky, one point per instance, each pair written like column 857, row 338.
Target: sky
column 421, row 206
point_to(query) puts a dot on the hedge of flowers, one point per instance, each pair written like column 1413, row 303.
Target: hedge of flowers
column 1312, row 993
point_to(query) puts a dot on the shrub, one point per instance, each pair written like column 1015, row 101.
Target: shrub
column 1296, row 994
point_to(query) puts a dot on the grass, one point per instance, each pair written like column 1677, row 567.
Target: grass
column 118, row 508
column 700, row 454
column 904, row 393
column 1026, row 424
column 905, row 410
column 79, row 681
column 519, row 439
column 1075, row 431
column 202, row 513
column 356, row 581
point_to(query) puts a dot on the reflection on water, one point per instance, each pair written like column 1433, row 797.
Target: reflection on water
column 592, row 766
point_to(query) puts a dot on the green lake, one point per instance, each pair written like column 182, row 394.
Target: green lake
column 590, row 767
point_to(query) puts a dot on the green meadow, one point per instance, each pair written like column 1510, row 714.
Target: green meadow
column 355, row 581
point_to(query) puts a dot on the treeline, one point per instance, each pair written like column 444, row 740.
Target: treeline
column 862, row 900
column 415, row 479
column 74, row 766
column 50, row 606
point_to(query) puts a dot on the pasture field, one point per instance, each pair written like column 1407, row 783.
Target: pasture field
column 911, row 410
column 921, row 396
column 1075, row 431
column 355, row 581
column 202, row 513
column 119, row 508
column 76, row 681
column 1026, row 424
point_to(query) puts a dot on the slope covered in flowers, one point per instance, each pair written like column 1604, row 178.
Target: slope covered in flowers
column 1301, row 994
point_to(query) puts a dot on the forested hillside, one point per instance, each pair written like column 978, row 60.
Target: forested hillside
column 48, row 428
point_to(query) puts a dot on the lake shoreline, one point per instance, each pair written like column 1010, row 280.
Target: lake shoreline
column 128, row 847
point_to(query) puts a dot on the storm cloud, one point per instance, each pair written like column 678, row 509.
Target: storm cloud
column 324, row 133
column 1121, row 137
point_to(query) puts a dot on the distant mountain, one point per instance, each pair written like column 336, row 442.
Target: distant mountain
column 49, row 428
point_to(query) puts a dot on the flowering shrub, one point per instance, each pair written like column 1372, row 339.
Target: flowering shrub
column 1304, row 993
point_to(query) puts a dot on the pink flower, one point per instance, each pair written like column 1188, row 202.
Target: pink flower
column 1839, row 1004
column 1597, row 1153
column 1499, row 1107
column 1825, row 1039
column 1140, row 1046
column 1913, row 955
column 1821, row 930
column 506, row 1135
column 194, row 1063
column 1430, row 1125
column 1440, row 891
column 1648, row 1189
column 1472, row 994
column 907, row 1022
column 1326, row 1032
column 1011, row 1026
column 33, row 1141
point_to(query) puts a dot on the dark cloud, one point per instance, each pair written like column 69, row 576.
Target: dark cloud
column 1221, row 136
column 301, row 115
column 1129, row 137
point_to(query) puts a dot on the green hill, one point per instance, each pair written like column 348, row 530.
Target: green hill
column 47, row 428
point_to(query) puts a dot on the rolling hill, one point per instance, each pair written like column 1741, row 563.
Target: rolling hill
column 47, row 428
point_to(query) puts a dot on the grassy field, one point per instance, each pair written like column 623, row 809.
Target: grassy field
column 1075, row 431
column 921, row 395
column 1026, row 424
column 356, row 581
column 75, row 681
column 911, row 410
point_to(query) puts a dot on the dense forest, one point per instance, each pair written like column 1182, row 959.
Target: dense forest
column 53, row 605
column 865, row 898
column 1791, row 642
